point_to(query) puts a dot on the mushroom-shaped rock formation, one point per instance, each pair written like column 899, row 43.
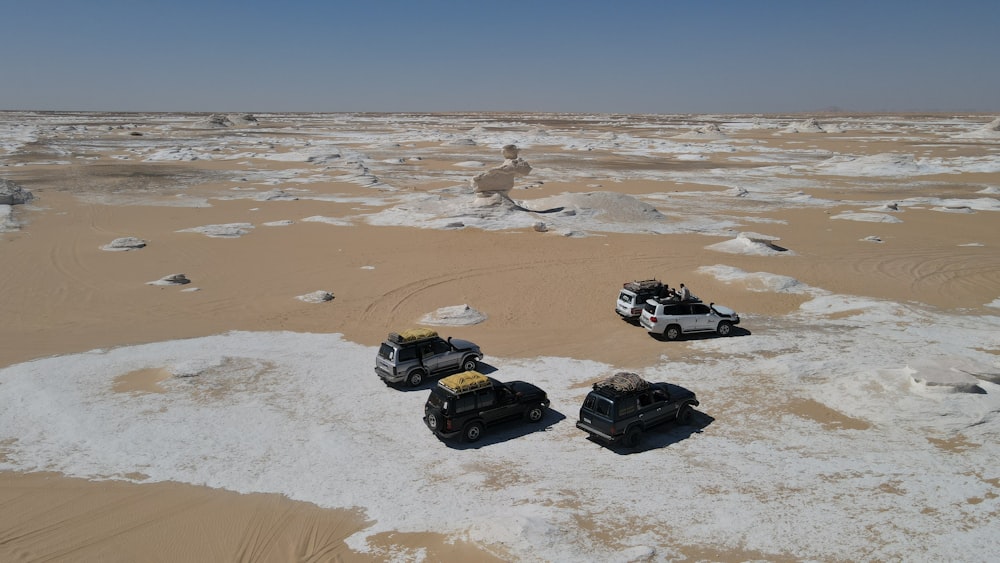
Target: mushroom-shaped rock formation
column 500, row 179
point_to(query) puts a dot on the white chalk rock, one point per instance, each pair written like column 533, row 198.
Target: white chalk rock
column 316, row 297
column 124, row 244
column 457, row 315
column 172, row 279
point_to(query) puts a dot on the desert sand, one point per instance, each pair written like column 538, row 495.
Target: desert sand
column 862, row 213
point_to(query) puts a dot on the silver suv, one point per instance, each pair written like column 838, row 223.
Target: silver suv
column 672, row 318
column 412, row 356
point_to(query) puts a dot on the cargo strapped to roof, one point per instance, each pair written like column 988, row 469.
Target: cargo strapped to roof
column 643, row 284
column 622, row 382
column 411, row 335
column 464, row 382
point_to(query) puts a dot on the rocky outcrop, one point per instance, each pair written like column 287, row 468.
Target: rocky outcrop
column 124, row 243
column 318, row 296
column 13, row 194
column 500, row 179
column 172, row 279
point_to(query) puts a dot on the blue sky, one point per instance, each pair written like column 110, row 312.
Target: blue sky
column 697, row 56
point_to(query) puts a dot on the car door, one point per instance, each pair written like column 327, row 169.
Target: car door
column 442, row 357
column 702, row 317
column 650, row 412
column 497, row 404
column 661, row 397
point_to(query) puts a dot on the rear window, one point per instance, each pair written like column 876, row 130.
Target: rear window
column 598, row 404
column 386, row 352
column 625, row 298
column 650, row 308
column 438, row 400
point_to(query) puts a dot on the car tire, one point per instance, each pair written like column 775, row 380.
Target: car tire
column 673, row 332
column 416, row 378
column 469, row 364
column 535, row 414
column 473, row 431
column 632, row 436
column 685, row 415
column 725, row 328
column 432, row 422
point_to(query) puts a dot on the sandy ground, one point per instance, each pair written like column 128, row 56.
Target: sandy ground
column 545, row 295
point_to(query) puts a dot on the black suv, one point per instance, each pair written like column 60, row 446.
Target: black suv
column 467, row 403
column 623, row 406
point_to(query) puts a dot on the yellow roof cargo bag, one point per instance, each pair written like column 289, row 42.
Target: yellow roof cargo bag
column 412, row 334
column 465, row 381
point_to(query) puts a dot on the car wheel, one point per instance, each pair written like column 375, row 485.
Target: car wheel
column 535, row 414
column 469, row 364
column 685, row 415
column 673, row 332
column 632, row 436
column 725, row 328
column 473, row 431
column 432, row 422
column 416, row 378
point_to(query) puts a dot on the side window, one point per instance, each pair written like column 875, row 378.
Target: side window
column 644, row 400
column 465, row 403
column 440, row 347
column 699, row 309
column 673, row 310
column 407, row 354
column 485, row 398
column 626, row 407
column 659, row 396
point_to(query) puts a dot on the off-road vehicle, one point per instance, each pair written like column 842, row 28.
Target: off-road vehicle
column 416, row 354
column 634, row 294
column 673, row 318
column 621, row 407
column 467, row 403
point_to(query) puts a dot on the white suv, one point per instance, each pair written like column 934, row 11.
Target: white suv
column 672, row 318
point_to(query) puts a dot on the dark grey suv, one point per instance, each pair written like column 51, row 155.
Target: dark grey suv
column 620, row 408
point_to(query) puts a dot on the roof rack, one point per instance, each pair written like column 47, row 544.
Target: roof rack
column 464, row 382
column 643, row 284
column 411, row 335
column 622, row 382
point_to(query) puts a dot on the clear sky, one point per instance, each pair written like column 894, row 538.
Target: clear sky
column 642, row 56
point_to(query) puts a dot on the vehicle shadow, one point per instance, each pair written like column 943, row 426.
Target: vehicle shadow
column 508, row 431
column 694, row 336
column 664, row 435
